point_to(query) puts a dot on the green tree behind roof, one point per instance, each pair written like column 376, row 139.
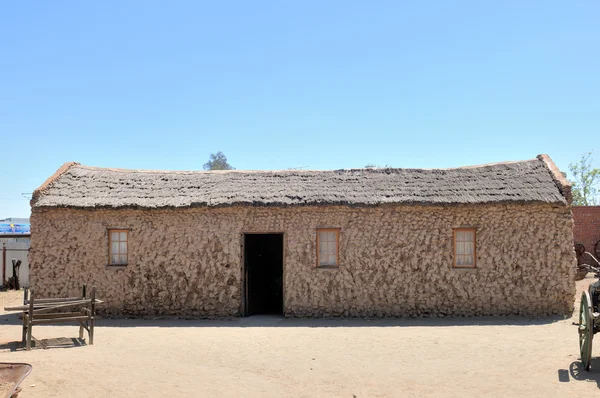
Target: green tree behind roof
column 585, row 181
column 217, row 161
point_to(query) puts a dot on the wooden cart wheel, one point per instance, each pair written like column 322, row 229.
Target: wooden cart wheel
column 586, row 330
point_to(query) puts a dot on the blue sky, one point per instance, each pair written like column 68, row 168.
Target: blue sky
column 281, row 84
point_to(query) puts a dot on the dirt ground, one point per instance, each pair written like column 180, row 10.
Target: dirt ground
column 274, row 357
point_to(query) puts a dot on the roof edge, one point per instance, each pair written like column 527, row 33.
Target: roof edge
column 48, row 183
column 559, row 178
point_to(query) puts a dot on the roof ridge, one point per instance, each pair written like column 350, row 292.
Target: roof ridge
column 122, row 170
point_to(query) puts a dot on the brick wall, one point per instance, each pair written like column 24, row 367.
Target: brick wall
column 586, row 229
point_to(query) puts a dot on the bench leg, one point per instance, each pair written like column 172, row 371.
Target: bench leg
column 91, row 331
column 29, row 322
column 24, row 334
column 28, row 343
column 80, row 330
column 28, row 340
column 92, row 314
column 83, row 292
column 24, row 315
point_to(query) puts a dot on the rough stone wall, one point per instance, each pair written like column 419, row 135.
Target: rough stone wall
column 395, row 261
column 586, row 229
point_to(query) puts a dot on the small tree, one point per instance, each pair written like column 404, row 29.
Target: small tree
column 585, row 180
column 217, row 161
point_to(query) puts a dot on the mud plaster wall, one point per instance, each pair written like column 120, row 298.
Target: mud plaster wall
column 395, row 261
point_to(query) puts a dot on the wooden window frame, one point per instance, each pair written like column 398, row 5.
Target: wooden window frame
column 110, row 241
column 454, row 255
column 337, row 243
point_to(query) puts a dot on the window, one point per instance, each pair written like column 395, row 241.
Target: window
column 464, row 248
column 117, row 246
column 328, row 242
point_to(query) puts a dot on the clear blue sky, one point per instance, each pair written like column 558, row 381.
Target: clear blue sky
column 281, row 84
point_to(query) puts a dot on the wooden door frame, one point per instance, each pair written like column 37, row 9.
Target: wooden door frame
column 244, row 285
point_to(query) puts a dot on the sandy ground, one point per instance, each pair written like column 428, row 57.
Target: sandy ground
column 273, row 357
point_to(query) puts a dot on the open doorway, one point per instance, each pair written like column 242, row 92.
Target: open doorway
column 263, row 270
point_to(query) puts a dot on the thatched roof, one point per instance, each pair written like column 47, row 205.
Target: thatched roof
column 531, row 181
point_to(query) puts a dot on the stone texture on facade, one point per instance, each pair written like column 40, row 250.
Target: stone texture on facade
column 395, row 260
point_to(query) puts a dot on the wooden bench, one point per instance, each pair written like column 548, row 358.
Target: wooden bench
column 54, row 310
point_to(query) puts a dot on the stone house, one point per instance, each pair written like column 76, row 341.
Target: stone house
column 484, row 240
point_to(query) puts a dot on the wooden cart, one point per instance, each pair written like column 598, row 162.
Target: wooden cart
column 589, row 319
column 36, row 311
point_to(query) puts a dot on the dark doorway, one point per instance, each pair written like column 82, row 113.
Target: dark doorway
column 263, row 268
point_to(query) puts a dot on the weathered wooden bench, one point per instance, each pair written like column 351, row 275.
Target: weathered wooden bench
column 37, row 311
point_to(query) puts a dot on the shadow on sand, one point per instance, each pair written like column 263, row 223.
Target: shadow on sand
column 280, row 321
column 58, row 342
column 577, row 372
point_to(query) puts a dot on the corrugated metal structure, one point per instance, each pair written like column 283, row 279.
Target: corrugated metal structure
column 15, row 238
